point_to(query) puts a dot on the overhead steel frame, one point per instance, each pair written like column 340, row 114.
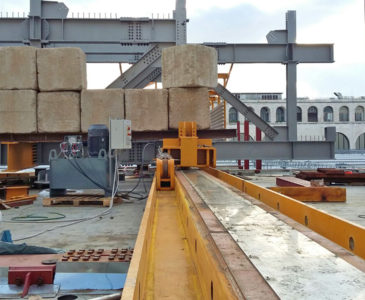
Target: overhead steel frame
column 140, row 41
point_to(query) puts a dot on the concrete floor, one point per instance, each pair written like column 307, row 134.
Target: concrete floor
column 116, row 230
column 351, row 210
column 120, row 228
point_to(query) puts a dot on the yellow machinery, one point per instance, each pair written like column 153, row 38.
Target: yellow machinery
column 165, row 173
column 188, row 150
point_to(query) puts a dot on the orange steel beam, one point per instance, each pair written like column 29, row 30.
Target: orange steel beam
column 175, row 254
column 136, row 281
column 312, row 194
column 21, row 156
column 341, row 232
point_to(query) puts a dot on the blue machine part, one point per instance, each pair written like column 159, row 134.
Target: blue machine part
column 90, row 281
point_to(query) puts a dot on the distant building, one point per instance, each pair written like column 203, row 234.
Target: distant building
column 313, row 115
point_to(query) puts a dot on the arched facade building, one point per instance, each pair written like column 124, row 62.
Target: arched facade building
column 313, row 115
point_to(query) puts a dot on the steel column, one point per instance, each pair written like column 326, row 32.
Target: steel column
column 180, row 17
column 291, row 100
column 239, row 139
column 258, row 139
column 247, row 138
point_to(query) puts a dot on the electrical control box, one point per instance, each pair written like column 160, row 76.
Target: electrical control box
column 120, row 134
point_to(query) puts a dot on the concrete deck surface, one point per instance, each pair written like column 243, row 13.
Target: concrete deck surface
column 116, row 230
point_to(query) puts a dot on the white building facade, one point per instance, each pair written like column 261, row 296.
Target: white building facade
column 313, row 115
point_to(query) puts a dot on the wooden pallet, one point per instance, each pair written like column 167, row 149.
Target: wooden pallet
column 81, row 200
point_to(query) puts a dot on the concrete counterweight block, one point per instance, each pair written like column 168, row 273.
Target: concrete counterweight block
column 61, row 69
column 18, row 111
column 18, row 68
column 98, row 105
column 59, row 112
column 147, row 109
column 189, row 66
column 189, row 104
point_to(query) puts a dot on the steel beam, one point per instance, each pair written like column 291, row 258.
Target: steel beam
column 245, row 111
column 104, row 38
column 147, row 69
column 272, row 53
column 273, row 150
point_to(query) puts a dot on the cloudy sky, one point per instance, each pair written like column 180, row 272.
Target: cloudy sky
column 248, row 21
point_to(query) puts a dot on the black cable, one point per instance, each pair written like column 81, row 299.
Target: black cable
column 129, row 193
column 361, row 216
column 142, row 196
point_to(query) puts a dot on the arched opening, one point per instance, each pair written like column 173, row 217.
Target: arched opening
column 342, row 142
column 280, row 114
column 360, row 142
column 344, row 114
column 312, row 114
column 299, row 114
column 265, row 114
column 233, row 115
column 328, row 114
column 359, row 113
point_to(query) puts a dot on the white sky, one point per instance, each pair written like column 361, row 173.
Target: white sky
column 248, row 21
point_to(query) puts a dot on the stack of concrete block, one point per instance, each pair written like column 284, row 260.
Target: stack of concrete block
column 61, row 77
column 58, row 112
column 63, row 105
column 18, row 85
column 188, row 71
column 97, row 106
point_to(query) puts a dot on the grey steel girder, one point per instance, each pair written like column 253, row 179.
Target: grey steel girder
column 245, row 111
column 102, row 38
column 272, row 53
column 272, row 150
column 279, row 149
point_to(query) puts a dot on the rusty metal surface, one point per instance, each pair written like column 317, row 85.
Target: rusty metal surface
column 145, row 135
column 98, row 255
column 291, row 181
